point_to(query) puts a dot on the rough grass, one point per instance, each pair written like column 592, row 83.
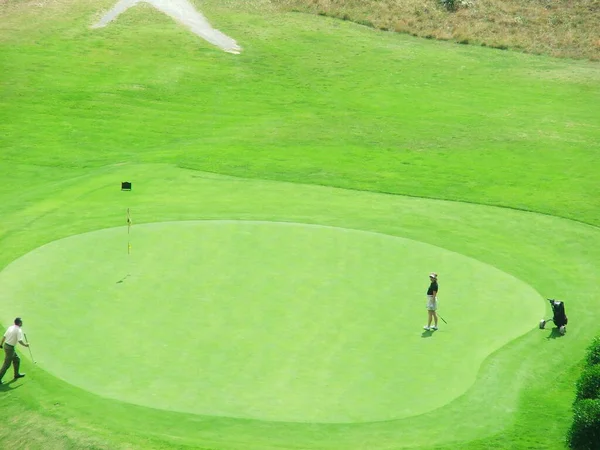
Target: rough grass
column 561, row 28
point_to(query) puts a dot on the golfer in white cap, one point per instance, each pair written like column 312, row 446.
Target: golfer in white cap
column 432, row 302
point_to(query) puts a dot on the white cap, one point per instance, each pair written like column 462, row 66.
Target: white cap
column 433, row 275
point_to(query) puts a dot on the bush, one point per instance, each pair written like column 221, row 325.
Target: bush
column 450, row 5
column 593, row 356
column 453, row 5
column 588, row 385
column 585, row 431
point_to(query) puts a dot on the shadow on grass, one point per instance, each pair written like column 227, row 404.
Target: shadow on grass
column 123, row 279
column 427, row 333
column 6, row 386
column 555, row 333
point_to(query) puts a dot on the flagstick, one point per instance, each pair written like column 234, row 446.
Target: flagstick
column 128, row 231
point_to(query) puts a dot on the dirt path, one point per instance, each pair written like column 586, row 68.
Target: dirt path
column 183, row 12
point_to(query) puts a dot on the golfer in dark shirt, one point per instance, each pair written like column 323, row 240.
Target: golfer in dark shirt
column 432, row 303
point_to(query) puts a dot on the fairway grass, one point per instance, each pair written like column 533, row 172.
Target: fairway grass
column 315, row 128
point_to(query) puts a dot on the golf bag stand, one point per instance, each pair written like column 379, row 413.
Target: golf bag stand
column 559, row 317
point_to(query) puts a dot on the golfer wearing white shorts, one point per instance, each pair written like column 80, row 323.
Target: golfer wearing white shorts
column 432, row 303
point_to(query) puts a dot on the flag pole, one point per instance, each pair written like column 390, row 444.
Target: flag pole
column 128, row 231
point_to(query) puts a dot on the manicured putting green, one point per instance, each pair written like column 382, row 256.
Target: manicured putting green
column 264, row 320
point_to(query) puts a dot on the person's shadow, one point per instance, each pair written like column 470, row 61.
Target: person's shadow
column 427, row 333
column 6, row 386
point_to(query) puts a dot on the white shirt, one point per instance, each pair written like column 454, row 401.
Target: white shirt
column 13, row 335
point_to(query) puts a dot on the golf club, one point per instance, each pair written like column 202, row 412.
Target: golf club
column 442, row 319
column 29, row 347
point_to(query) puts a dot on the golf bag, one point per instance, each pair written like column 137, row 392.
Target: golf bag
column 559, row 316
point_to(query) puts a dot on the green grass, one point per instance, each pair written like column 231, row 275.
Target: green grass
column 263, row 320
column 301, row 104
column 310, row 101
column 502, row 238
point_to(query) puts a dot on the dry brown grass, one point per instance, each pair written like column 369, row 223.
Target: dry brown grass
column 561, row 28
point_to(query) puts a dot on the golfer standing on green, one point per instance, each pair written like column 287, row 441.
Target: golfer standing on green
column 13, row 335
column 432, row 302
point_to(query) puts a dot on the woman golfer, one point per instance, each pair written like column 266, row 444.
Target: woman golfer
column 432, row 302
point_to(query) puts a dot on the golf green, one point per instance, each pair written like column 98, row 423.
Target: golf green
column 264, row 320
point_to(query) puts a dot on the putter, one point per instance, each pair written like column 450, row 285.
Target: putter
column 30, row 354
column 442, row 319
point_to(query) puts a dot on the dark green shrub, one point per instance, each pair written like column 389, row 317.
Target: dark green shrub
column 453, row 5
column 594, row 352
column 450, row 5
column 588, row 385
column 585, row 431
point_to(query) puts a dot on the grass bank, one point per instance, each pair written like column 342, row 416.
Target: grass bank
column 567, row 29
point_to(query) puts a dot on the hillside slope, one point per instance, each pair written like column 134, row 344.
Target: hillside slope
column 561, row 28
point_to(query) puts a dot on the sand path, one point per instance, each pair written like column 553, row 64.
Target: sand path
column 183, row 12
